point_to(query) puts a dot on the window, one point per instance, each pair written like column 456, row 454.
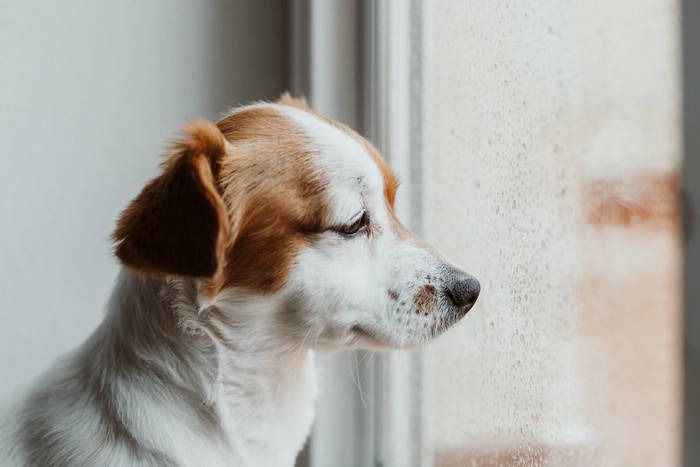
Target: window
column 539, row 146
column 554, row 151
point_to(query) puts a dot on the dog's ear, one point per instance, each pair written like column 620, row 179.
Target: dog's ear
column 298, row 102
column 178, row 224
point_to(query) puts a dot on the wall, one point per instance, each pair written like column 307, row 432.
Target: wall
column 554, row 148
column 89, row 93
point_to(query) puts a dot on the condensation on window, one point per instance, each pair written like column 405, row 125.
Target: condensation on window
column 553, row 148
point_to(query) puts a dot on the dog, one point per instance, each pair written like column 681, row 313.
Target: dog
column 266, row 236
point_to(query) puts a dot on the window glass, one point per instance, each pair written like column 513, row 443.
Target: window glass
column 552, row 154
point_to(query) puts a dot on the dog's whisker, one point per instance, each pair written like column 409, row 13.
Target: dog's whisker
column 355, row 374
column 368, row 363
column 318, row 333
column 304, row 340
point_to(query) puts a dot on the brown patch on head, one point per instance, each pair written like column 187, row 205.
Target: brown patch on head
column 425, row 299
column 393, row 294
column 178, row 225
column 297, row 102
column 273, row 194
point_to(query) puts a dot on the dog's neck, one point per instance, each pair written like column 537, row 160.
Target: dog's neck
column 228, row 367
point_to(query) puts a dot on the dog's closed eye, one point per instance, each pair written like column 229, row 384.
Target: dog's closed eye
column 356, row 226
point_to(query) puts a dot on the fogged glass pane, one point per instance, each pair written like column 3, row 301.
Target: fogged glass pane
column 553, row 150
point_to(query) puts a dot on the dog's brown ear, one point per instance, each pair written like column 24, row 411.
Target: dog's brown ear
column 178, row 224
column 298, row 102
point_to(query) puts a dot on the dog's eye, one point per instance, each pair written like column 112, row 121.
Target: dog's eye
column 356, row 225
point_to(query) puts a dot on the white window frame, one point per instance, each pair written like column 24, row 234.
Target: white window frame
column 369, row 409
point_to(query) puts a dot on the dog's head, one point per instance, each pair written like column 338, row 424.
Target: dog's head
column 288, row 210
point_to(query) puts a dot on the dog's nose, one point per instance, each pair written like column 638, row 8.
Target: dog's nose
column 463, row 290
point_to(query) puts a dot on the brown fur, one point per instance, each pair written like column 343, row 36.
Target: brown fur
column 235, row 213
column 274, row 194
column 177, row 225
column 426, row 299
column 298, row 102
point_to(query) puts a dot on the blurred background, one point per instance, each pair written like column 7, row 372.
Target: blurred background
column 549, row 148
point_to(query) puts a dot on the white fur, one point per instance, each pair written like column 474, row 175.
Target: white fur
column 231, row 381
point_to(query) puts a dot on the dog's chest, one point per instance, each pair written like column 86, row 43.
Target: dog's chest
column 268, row 421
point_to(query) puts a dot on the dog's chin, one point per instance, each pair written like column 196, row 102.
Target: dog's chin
column 366, row 338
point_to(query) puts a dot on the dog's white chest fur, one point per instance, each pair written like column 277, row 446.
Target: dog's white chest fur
column 152, row 388
column 265, row 419
column 270, row 416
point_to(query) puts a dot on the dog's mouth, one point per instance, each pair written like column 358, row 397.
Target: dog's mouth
column 370, row 337
column 374, row 340
column 365, row 333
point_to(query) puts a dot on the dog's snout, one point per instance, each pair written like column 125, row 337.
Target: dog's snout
column 463, row 290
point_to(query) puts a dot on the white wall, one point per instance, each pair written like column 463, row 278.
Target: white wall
column 89, row 92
